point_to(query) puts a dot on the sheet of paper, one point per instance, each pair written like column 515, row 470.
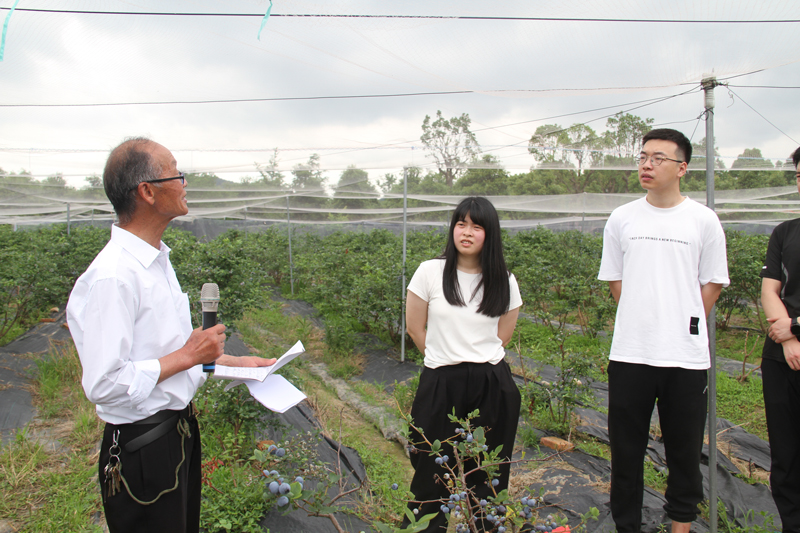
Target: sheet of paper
column 259, row 373
column 275, row 393
column 249, row 373
column 293, row 352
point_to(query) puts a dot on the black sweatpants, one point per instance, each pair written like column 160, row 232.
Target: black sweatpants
column 463, row 387
column 781, row 387
column 681, row 396
column 150, row 470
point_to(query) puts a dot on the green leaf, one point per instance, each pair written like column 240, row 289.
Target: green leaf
column 501, row 497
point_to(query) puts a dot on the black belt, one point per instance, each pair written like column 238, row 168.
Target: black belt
column 163, row 420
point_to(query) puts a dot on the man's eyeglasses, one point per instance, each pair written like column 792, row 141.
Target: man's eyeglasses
column 656, row 159
column 182, row 177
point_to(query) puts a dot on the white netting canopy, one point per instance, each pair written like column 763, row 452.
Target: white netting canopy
column 221, row 85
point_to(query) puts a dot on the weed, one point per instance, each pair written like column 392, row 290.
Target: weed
column 742, row 403
column 53, row 491
column 655, row 476
column 404, row 394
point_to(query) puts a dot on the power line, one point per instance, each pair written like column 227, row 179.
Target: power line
column 762, row 116
column 334, row 97
column 419, row 17
column 239, row 100
column 648, row 102
column 765, row 86
column 398, row 144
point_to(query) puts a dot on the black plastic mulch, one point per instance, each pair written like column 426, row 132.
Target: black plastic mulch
column 301, row 419
column 17, row 364
column 571, row 490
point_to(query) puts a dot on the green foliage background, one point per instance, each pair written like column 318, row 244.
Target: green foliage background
column 353, row 278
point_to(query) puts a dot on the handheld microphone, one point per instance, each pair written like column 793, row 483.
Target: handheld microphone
column 209, row 300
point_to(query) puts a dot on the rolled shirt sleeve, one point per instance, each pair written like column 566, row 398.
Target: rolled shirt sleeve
column 110, row 377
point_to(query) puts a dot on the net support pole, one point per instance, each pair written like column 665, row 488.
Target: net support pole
column 583, row 212
column 708, row 88
column 403, row 269
column 68, row 219
column 289, row 231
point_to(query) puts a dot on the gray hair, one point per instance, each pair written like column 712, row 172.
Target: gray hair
column 128, row 165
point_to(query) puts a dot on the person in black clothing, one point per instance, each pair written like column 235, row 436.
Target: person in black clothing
column 780, row 362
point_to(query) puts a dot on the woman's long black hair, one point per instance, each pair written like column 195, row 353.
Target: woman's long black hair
column 494, row 279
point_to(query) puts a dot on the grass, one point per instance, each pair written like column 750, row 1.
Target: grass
column 742, row 403
column 592, row 446
column 732, row 343
column 44, row 489
column 385, row 461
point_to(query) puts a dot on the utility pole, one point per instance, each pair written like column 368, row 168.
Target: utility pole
column 403, row 288
column 708, row 85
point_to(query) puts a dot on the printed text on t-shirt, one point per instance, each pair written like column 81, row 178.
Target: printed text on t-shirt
column 661, row 239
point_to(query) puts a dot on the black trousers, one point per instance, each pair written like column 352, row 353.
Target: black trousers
column 463, row 387
column 781, row 387
column 681, row 396
column 150, row 470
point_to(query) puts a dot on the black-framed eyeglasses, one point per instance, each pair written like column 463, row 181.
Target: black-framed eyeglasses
column 656, row 159
column 182, row 177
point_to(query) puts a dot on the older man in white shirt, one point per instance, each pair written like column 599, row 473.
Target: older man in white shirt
column 141, row 359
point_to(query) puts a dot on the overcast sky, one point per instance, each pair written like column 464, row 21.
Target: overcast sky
column 521, row 72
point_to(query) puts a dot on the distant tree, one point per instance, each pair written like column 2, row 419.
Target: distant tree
column 613, row 181
column 623, row 136
column 206, row 180
column 270, row 175
column 539, row 182
column 307, row 178
column 354, row 190
column 451, row 144
column 56, row 180
column 622, row 141
column 21, row 177
column 492, row 179
column 354, row 179
column 751, row 158
column 699, row 156
column 93, row 182
column 575, row 147
column 545, row 148
column 388, row 182
column 93, row 187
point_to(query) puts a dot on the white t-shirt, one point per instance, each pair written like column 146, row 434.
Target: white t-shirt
column 458, row 334
column 663, row 256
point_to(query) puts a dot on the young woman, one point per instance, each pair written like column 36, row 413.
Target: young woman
column 469, row 303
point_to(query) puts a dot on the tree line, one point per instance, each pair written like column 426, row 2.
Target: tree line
column 567, row 160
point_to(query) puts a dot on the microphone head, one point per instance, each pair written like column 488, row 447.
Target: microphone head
column 209, row 297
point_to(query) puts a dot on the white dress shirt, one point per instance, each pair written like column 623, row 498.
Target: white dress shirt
column 124, row 313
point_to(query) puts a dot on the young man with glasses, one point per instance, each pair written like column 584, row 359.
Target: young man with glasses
column 664, row 258
column 780, row 362
column 141, row 359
